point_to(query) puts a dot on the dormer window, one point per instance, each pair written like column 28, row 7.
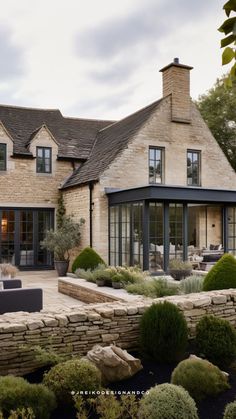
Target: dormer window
column 44, row 160
column 156, row 164
column 3, row 157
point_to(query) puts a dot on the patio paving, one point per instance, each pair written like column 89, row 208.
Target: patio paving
column 48, row 281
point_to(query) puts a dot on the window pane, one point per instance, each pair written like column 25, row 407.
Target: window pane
column 2, row 156
column 39, row 152
column 193, row 168
column 43, row 160
column 47, row 152
column 155, row 165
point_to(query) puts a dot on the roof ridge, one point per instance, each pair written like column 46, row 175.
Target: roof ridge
column 29, row 108
column 132, row 114
column 88, row 119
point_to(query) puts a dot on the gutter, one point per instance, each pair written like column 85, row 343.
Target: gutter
column 91, row 204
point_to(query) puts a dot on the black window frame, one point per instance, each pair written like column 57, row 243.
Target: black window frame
column 43, row 159
column 4, row 167
column 198, row 165
column 155, row 160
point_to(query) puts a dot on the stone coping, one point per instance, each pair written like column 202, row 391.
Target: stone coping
column 61, row 317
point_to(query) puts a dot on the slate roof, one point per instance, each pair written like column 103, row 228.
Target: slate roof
column 109, row 142
column 75, row 136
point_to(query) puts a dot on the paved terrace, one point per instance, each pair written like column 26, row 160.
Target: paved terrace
column 56, row 301
column 48, row 281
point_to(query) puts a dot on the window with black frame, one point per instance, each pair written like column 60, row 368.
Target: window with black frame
column 193, row 167
column 44, row 160
column 156, row 164
column 3, row 157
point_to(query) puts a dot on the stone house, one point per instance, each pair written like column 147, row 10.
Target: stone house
column 151, row 187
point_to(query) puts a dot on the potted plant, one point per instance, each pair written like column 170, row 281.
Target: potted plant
column 7, row 271
column 117, row 281
column 179, row 269
column 61, row 241
column 102, row 276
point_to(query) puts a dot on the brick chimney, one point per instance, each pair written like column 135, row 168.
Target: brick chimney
column 176, row 82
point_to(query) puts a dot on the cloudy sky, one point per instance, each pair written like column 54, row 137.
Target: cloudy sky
column 100, row 58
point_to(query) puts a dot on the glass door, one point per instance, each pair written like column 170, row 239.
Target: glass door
column 7, row 236
column 26, row 238
column 21, row 231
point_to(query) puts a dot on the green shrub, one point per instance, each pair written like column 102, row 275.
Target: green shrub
column 87, row 259
column 131, row 274
column 216, row 340
column 154, row 289
column 178, row 264
column 167, row 401
column 200, row 378
column 20, row 414
column 163, row 332
column 16, row 392
column 230, row 411
column 191, row 284
column 222, row 275
column 73, row 375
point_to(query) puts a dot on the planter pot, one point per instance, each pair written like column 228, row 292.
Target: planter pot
column 117, row 285
column 61, row 266
column 100, row 282
column 3, row 277
column 108, row 283
column 179, row 274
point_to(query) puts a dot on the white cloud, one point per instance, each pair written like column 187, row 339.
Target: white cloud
column 101, row 59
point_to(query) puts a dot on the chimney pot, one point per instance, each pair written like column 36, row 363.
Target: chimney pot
column 176, row 60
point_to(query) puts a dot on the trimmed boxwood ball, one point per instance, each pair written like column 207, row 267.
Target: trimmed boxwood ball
column 167, row 401
column 87, row 259
column 230, row 411
column 163, row 332
column 200, row 378
column 216, row 340
column 222, row 275
column 73, row 375
column 16, row 392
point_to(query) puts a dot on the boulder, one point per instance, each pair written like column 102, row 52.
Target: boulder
column 114, row 363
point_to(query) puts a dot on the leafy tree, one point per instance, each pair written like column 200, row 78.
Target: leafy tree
column 218, row 108
column 229, row 29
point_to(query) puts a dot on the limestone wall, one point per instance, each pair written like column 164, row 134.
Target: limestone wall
column 77, row 330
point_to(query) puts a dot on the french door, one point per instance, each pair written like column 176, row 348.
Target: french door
column 21, row 231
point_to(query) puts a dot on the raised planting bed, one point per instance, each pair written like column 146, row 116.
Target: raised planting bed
column 88, row 292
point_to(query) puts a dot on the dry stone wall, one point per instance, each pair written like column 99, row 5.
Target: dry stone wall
column 76, row 331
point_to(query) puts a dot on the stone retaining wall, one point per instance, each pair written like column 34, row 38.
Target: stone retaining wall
column 84, row 294
column 77, row 330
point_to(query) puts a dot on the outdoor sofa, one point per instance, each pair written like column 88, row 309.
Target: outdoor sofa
column 14, row 298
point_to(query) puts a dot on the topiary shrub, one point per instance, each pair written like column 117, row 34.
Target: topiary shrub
column 16, row 392
column 230, row 411
column 163, row 332
column 200, row 378
column 167, row 401
column 216, row 340
column 222, row 275
column 73, row 375
column 87, row 259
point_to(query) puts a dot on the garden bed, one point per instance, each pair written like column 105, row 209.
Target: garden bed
column 152, row 374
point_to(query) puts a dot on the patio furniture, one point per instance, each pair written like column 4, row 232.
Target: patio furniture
column 21, row 299
column 11, row 283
